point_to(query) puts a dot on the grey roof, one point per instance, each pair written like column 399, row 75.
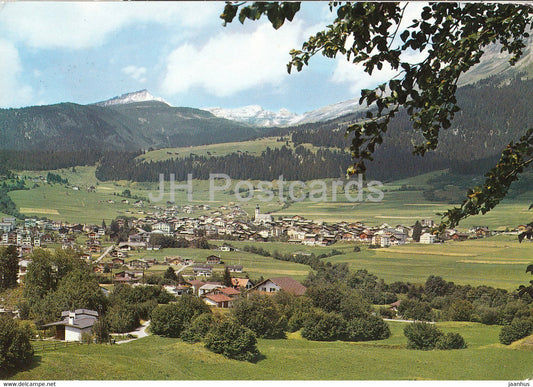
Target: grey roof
column 84, row 318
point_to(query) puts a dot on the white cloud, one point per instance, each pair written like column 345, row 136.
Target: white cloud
column 354, row 75
column 233, row 62
column 14, row 93
column 79, row 25
column 135, row 72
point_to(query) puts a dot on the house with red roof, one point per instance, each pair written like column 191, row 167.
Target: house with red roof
column 287, row 284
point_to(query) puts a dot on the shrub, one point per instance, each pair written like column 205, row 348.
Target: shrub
column 415, row 310
column 321, row 326
column 122, row 318
column 15, row 348
column 421, row 335
column 101, row 331
column 198, row 328
column 451, row 341
column 517, row 330
column 368, row 328
column 170, row 320
column 488, row 316
column 260, row 313
column 460, row 310
column 296, row 322
column 232, row 340
column 385, row 312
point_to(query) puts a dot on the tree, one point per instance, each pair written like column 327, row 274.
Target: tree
column 421, row 335
column 226, row 280
column 367, row 328
column 170, row 274
column 16, row 351
column 101, row 330
column 170, row 320
column 260, row 313
column 451, row 37
column 417, row 231
column 435, row 286
column 322, row 326
column 8, row 267
column 232, row 340
column 517, row 330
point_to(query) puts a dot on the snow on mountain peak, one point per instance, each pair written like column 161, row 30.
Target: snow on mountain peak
column 137, row 96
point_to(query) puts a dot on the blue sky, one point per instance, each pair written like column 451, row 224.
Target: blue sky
column 88, row 52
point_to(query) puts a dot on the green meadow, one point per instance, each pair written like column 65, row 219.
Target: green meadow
column 396, row 207
column 252, row 147
column 498, row 261
column 157, row 358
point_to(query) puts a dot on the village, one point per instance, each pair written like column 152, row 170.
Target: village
column 217, row 284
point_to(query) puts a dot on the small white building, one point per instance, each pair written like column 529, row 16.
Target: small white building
column 74, row 324
column 427, row 238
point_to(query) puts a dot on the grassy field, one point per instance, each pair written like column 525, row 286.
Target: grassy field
column 397, row 207
column 156, row 358
column 498, row 261
column 253, row 147
column 254, row 265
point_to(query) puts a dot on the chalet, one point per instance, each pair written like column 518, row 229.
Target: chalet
column 234, row 268
column 202, row 270
column 287, row 284
column 195, row 285
column 74, row 324
column 138, row 264
column 118, row 261
column 213, row 260
column 230, row 292
column 241, row 283
column 208, row 288
column 178, row 290
column 173, row 260
column 218, row 300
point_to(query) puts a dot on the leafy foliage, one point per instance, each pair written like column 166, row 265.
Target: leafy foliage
column 198, row 328
column 422, row 335
column 415, row 310
column 368, row 328
column 232, row 340
column 451, row 38
column 8, row 267
column 16, row 351
column 451, row 341
column 517, row 330
column 322, row 326
column 170, row 320
column 260, row 313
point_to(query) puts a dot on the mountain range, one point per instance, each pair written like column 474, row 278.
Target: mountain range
column 140, row 120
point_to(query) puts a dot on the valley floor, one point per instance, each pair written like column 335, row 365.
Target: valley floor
column 157, row 358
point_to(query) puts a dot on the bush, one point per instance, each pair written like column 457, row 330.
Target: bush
column 16, row 351
column 321, row 326
column 260, row 313
column 198, row 328
column 122, row 318
column 517, row 330
column 385, row 312
column 232, row 340
column 421, row 335
column 415, row 310
column 101, row 331
column 170, row 320
column 368, row 328
column 451, row 341
column 460, row 310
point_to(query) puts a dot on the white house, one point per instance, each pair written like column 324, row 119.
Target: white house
column 74, row 324
column 427, row 238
